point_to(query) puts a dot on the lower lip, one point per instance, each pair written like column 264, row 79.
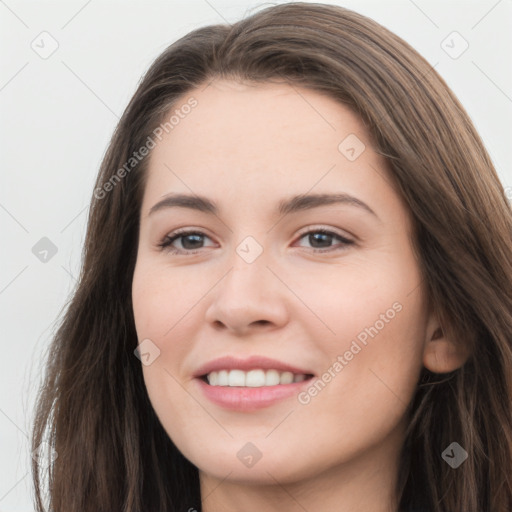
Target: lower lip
column 249, row 399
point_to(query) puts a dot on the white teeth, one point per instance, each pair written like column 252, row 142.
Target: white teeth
column 252, row 378
column 236, row 378
column 286, row 378
column 272, row 378
column 222, row 378
column 213, row 378
column 255, row 379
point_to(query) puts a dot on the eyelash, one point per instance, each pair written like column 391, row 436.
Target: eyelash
column 165, row 244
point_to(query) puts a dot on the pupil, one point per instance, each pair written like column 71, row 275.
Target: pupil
column 189, row 237
column 313, row 238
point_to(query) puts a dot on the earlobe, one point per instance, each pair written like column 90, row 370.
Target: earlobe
column 441, row 354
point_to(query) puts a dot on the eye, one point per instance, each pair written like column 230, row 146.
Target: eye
column 190, row 240
column 320, row 240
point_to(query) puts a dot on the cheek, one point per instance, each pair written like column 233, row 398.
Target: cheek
column 360, row 301
column 163, row 307
column 373, row 367
column 377, row 321
column 162, row 299
column 364, row 402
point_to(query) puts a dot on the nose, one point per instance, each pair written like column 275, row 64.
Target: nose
column 248, row 298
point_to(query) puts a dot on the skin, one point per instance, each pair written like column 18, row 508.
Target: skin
column 246, row 147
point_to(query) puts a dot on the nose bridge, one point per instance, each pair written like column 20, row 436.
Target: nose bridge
column 249, row 292
column 249, row 275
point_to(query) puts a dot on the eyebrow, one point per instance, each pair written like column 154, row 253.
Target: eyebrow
column 285, row 206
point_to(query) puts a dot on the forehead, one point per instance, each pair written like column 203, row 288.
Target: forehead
column 247, row 141
column 259, row 123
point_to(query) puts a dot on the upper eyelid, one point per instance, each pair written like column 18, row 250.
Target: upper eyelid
column 319, row 227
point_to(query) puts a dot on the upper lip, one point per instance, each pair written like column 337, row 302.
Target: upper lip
column 250, row 363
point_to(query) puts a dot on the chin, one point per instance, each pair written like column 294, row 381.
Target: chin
column 269, row 466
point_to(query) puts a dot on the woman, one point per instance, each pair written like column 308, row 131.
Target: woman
column 274, row 369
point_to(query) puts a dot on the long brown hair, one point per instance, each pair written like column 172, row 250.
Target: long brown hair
column 93, row 408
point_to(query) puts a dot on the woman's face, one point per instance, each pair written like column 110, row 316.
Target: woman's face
column 258, row 280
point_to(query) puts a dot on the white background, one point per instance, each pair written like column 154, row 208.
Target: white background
column 57, row 116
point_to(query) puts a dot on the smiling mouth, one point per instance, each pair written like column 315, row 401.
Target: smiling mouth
column 256, row 378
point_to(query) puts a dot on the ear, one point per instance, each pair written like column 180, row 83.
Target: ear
column 442, row 353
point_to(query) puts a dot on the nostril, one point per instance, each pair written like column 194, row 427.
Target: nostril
column 261, row 322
